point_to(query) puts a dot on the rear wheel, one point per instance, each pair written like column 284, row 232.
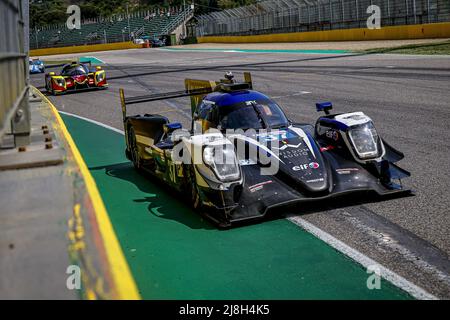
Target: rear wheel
column 134, row 152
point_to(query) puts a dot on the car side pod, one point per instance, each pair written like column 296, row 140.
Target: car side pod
column 324, row 106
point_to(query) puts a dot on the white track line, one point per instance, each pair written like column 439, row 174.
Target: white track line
column 292, row 95
column 100, row 60
column 338, row 245
column 364, row 260
column 203, row 51
column 92, row 121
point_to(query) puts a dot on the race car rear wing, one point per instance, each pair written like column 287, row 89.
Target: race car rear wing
column 196, row 89
column 157, row 97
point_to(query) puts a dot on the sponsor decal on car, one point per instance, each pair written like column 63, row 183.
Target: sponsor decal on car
column 332, row 134
column 287, row 146
column 259, row 186
column 303, row 167
column 295, row 153
column 327, row 148
column 275, row 135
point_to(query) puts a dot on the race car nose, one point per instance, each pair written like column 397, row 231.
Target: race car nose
column 307, row 177
column 80, row 78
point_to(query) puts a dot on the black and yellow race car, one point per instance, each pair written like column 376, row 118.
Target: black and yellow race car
column 242, row 157
column 75, row 77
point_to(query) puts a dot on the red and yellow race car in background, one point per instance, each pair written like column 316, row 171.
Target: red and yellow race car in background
column 74, row 77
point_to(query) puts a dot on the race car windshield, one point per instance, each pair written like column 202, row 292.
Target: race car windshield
column 259, row 114
column 75, row 71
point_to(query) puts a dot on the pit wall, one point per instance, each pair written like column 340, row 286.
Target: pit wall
column 85, row 48
column 418, row 31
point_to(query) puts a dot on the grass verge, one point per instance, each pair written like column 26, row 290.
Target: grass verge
column 429, row 49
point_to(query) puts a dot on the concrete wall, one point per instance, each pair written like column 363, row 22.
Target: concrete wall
column 419, row 31
column 85, row 48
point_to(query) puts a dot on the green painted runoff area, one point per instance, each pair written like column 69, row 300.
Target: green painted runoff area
column 174, row 254
column 92, row 60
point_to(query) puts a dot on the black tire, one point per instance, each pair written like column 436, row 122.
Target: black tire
column 194, row 192
column 197, row 203
column 134, row 152
column 50, row 90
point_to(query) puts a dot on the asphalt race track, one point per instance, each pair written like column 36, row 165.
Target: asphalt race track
column 406, row 96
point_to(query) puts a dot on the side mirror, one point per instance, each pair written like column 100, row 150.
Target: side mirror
column 171, row 127
column 324, row 106
column 51, row 74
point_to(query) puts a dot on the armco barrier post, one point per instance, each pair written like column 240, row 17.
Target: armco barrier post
column 20, row 123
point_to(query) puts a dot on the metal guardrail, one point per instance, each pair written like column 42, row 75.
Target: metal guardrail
column 276, row 16
column 14, row 110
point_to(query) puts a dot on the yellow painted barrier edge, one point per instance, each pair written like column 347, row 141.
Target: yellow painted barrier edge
column 418, row 31
column 124, row 283
column 85, row 48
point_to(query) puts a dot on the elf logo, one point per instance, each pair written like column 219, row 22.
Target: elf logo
column 303, row 167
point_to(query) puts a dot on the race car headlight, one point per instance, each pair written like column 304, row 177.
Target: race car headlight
column 366, row 141
column 222, row 160
column 100, row 76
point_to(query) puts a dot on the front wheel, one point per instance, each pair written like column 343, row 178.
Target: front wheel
column 196, row 201
column 49, row 88
column 134, row 152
